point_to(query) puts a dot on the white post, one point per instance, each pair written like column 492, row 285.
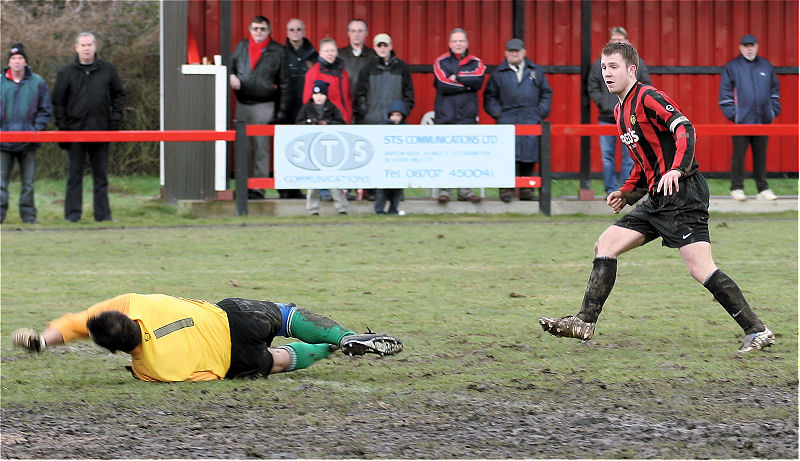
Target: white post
column 220, row 74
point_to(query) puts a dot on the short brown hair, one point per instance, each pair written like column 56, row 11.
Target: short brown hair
column 626, row 50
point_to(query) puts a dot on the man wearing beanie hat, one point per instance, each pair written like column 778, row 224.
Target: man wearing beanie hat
column 749, row 93
column 24, row 106
column 88, row 96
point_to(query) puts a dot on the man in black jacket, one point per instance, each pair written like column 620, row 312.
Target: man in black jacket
column 88, row 96
column 385, row 79
column 259, row 80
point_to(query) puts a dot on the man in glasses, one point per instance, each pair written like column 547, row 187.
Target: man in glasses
column 259, row 80
column 385, row 79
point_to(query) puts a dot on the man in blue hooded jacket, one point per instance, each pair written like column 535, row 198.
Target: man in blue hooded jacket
column 749, row 94
column 25, row 106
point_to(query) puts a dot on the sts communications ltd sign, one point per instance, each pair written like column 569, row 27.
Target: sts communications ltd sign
column 394, row 156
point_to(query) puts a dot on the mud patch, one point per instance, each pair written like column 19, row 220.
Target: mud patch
column 610, row 421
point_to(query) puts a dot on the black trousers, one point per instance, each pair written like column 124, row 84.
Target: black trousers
column 98, row 159
column 759, row 148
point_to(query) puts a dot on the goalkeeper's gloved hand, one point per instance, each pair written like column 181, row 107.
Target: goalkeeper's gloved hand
column 29, row 339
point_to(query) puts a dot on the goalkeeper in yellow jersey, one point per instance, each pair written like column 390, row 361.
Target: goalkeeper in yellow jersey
column 179, row 339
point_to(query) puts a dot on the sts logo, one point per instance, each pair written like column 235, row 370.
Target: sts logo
column 329, row 151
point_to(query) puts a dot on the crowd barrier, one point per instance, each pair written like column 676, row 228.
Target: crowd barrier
column 243, row 182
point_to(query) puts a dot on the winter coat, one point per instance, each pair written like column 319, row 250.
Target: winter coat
column 309, row 115
column 379, row 84
column 457, row 100
column 268, row 82
column 297, row 64
column 598, row 91
column 354, row 63
column 24, row 106
column 88, row 98
column 395, row 106
column 339, row 81
column 526, row 102
column 749, row 91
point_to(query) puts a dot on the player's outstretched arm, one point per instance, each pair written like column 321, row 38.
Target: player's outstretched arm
column 29, row 339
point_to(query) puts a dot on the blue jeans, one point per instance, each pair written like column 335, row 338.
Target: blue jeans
column 608, row 146
column 27, row 170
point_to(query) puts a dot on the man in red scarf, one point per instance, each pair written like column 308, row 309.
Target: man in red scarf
column 259, row 80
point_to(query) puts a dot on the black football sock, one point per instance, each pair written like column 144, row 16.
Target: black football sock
column 727, row 293
column 601, row 281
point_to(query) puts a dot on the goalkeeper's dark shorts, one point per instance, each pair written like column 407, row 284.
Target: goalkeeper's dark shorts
column 679, row 219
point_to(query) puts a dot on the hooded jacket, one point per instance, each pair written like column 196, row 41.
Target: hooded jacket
column 24, row 106
column 395, row 106
column 379, row 84
column 749, row 91
column 339, row 85
column 88, row 98
column 268, row 82
column 456, row 100
column 524, row 102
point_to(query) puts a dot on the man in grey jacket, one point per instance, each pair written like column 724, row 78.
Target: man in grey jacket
column 605, row 101
column 749, row 93
column 259, row 79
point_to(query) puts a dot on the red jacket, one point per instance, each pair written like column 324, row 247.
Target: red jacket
column 339, row 89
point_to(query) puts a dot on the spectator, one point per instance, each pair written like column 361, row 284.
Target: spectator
column 259, row 80
column 749, row 93
column 356, row 55
column 174, row 339
column 24, row 106
column 330, row 68
column 458, row 76
column 395, row 115
column 383, row 80
column 518, row 93
column 88, row 96
column 300, row 56
column 321, row 111
column 605, row 101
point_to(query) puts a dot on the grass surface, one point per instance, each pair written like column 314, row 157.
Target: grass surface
column 464, row 296
column 135, row 201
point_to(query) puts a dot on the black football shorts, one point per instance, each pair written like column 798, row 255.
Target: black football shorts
column 679, row 219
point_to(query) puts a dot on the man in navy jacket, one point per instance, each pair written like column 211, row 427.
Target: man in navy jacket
column 749, row 94
column 518, row 93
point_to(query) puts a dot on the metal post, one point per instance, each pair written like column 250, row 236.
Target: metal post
column 545, row 193
column 586, row 62
column 242, row 151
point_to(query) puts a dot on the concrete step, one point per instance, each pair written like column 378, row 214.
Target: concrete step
column 428, row 205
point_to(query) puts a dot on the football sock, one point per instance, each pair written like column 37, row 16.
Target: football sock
column 601, row 281
column 313, row 328
column 304, row 355
column 727, row 293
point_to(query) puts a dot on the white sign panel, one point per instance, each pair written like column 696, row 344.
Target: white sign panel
column 393, row 156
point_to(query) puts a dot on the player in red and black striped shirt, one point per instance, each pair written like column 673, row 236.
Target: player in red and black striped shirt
column 661, row 141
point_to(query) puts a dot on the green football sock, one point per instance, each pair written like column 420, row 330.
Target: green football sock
column 313, row 328
column 304, row 355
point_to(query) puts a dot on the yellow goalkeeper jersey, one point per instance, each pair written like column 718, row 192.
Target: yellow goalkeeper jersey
column 182, row 339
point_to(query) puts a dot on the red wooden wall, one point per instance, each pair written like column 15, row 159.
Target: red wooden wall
column 666, row 33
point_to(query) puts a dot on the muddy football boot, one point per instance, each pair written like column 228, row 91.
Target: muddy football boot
column 568, row 327
column 370, row 343
column 757, row 341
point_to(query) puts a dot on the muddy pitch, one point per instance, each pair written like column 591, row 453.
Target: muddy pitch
column 580, row 420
